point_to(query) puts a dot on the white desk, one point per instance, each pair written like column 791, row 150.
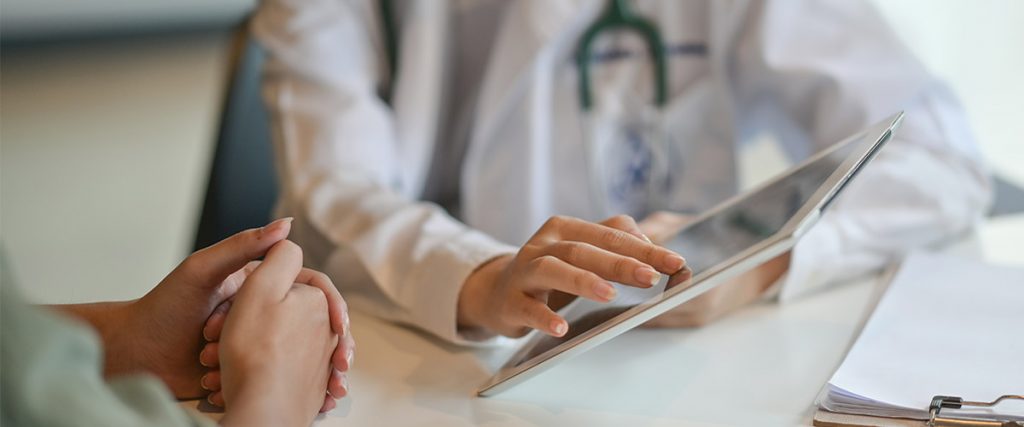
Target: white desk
column 761, row 366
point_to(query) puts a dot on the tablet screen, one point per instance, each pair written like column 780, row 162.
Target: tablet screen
column 708, row 243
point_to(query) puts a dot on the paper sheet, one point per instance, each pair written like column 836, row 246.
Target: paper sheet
column 946, row 326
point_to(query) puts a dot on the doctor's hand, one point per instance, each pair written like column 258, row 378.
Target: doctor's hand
column 715, row 303
column 567, row 257
column 276, row 346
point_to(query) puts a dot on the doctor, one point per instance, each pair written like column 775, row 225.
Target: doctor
column 440, row 149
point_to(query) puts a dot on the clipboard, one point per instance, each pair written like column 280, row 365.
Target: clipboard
column 903, row 335
column 824, row 418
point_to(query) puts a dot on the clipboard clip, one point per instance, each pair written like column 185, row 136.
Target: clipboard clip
column 952, row 402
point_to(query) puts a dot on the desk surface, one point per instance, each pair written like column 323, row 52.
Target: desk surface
column 761, row 366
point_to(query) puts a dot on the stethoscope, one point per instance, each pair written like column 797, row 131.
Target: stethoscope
column 646, row 163
column 651, row 166
column 618, row 16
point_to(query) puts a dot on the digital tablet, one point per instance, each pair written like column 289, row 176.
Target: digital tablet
column 737, row 235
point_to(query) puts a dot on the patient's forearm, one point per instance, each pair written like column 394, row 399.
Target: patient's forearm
column 111, row 320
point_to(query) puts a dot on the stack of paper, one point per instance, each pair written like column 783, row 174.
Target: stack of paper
column 946, row 326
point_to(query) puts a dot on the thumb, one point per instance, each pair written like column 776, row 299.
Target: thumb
column 275, row 276
column 213, row 264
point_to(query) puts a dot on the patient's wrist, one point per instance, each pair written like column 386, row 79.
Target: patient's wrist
column 253, row 412
column 101, row 316
column 256, row 404
column 111, row 321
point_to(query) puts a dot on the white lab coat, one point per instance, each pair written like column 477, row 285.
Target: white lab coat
column 355, row 170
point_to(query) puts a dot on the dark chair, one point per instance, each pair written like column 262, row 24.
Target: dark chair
column 1009, row 198
column 242, row 185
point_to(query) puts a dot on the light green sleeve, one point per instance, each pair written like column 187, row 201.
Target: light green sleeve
column 50, row 370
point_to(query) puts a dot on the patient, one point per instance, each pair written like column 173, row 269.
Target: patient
column 284, row 346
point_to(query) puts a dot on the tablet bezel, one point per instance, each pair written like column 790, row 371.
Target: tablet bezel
column 772, row 246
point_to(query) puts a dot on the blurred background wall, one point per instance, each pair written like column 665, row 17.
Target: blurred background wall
column 23, row 19
column 109, row 110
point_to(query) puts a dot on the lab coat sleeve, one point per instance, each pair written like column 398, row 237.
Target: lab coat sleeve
column 828, row 69
column 340, row 167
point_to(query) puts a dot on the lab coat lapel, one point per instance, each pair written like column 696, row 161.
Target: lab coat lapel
column 424, row 43
column 511, row 142
column 531, row 31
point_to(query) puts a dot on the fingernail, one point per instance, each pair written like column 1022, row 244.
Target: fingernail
column 205, row 335
column 349, row 356
column 202, row 382
column 647, row 239
column 209, row 399
column 674, row 262
column 606, row 291
column 202, row 355
column 647, row 275
column 275, row 225
column 344, row 383
column 558, row 328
